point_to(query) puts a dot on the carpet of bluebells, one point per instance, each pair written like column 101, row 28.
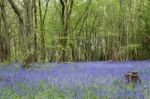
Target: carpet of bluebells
column 78, row 80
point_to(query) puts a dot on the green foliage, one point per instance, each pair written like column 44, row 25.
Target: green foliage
column 99, row 29
column 130, row 47
column 146, row 13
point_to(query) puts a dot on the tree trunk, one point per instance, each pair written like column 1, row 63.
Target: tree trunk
column 42, row 28
column 21, row 24
column 35, row 28
column 5, row 53
column 29, row 22
column 66, row 12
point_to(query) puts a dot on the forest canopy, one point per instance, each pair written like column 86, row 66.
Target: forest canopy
column 74, row 30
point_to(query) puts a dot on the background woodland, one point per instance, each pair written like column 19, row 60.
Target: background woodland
column 74, row 30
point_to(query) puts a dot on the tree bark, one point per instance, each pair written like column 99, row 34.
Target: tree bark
column 66, row 12
column 42, row 29
column 21, row 22
column 5, row 40
column 29, row 22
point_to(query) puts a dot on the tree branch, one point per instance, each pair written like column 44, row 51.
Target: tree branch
column 16, row 10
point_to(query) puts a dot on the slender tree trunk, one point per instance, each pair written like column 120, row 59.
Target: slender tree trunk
column 42, row 28
column 42, row 34
column 66, row 12
column 5, row 47
column 29, row 22
column 35, row 28
column 23, row 33
column 1, row 41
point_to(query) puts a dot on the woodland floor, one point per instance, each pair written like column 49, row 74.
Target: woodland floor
column 78, row 80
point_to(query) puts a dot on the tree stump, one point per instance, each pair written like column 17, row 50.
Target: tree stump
column 132, row 77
